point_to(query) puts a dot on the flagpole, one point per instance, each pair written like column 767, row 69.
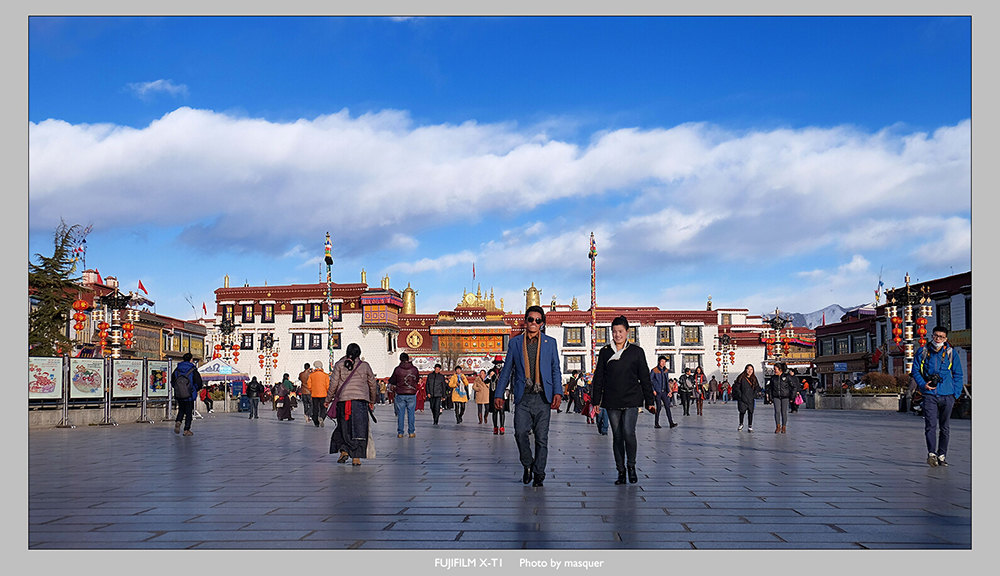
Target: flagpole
column 593, row 303
column 328, row 256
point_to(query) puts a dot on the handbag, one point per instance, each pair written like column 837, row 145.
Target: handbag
column 370, row 451
column 798, row 399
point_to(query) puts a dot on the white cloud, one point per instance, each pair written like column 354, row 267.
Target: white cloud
column 686, row 193
column 439, row 264
column 146, row 90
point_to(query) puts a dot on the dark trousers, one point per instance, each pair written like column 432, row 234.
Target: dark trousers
column 623, row 441
column 306, row 405
column 686, row 402
column 937, row 422
column 663, row 405
column 459, row 411
column 436, row 408
column 317, row 411
column 254, row 404
column 185, row 411
column 498, row 415
column 749, row 413
column 208, row 402
column 532, row 415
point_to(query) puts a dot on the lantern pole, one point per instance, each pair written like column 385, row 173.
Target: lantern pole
column 593, row 303
column 916, row 310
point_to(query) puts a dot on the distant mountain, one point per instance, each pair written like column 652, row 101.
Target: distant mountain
column 833, row 314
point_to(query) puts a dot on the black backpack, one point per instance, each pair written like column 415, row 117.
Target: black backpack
column 182, row 384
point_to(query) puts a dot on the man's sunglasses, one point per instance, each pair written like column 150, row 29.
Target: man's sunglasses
column 533, row 319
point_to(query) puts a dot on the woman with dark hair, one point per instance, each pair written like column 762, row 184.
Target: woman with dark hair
column 745, row 393
column 621, row 387
column 782, row 388
column 700, row 388
column 354, row 390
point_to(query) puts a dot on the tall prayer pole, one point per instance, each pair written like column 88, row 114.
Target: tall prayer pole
column 593, row 303
column 328, row 256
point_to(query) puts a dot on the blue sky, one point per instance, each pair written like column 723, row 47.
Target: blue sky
column 765, row 161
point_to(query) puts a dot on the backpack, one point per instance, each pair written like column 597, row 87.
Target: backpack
column 182, row 385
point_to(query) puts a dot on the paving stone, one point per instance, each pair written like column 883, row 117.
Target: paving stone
column 702, row 486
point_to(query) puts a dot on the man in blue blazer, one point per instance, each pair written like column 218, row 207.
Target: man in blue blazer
column 532, row 365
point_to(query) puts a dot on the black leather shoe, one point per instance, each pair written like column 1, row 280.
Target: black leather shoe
column 526, row 478
column 657, row 426
column 673, row 425
column 539, row 478
column 632, row 476
column 621, row 477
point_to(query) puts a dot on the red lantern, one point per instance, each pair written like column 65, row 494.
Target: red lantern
column 275, row 363
column 78, row 326
column 215, row 356
column 80, row 305
column 275, row 354
column 103, row 326
column 236, row 347
column 218, row 346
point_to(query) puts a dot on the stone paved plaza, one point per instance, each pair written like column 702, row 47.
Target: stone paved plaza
column 843, row 480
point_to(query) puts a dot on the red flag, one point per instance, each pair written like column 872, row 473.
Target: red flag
column 473, row 270
column 824, row 318
column 143, row 288
column 203, row 307
column 99, row 280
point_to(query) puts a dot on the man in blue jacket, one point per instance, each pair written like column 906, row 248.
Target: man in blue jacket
column 186, row 370
column 937, row 370
column 660, row 379
column 532, row 369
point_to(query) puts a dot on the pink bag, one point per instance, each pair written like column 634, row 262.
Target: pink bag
column 798, row 399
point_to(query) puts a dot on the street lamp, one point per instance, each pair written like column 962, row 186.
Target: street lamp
column 725, row 353
column 116, row 322
column 773, row 338
column 268, row 354
column 916, row 309
column 227, row 349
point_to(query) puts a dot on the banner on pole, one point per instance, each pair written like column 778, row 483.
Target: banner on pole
column 45, row 378
column 126, row 378
column 86, row 376
column 156, row 378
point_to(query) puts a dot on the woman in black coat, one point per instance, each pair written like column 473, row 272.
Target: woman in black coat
column 622, row 386
column 745, row 393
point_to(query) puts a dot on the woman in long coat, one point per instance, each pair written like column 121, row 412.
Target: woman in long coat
column 499, row 416
column 700, row 388
column 481, row 390
column 745, row 393
column 354, row 389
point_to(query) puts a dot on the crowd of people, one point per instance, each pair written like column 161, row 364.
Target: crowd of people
column 529, row 378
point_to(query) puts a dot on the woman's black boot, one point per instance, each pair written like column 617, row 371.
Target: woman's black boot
column 621, row 477
column 632, row 476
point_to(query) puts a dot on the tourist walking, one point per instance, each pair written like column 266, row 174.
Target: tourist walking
column 304, row 393
column 403, row 383
column 254, row 390
column 937, row 370
column 726, row 388
column 686, row 387
column 713, row 390
column 745, row 393
column 283, row 398
column 700, row 388
column 481, row 393
column 621, row 386
column 319, row 385
column 571, row 397
column 185, row 376
column 437, row 387
column 658, row 376
column 499, row 414
column 459, row 385
column 782, row 389
column 532, row 370
column 352, row 392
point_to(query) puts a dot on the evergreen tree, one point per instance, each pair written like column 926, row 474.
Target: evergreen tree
column 52, row 289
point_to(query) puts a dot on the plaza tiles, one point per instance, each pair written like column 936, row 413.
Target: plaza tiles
column 840, row 480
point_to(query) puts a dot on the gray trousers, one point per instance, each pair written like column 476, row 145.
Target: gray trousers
column 531, row 415
column 780, row 411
